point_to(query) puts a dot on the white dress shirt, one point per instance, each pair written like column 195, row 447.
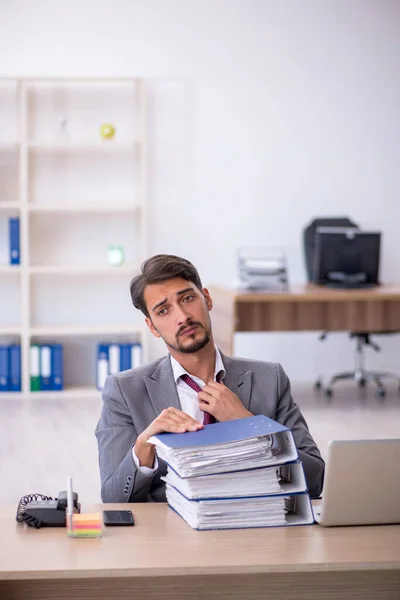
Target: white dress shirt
column 188, row 399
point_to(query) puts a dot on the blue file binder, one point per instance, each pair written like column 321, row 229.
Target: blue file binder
column 57, row 368
column 136, row 355
column 103, row 368
column 268, row 443
column 292, row 481
column 15, row 368
column 14, row 241
column 226, row 431
column 113, row 359
column 45, row 368
column 125, row 357
column 301, row 510
column 4, row 369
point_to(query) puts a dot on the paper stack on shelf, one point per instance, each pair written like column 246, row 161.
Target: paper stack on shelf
column 241, row 473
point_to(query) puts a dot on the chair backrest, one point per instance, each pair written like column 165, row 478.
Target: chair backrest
column 309, row 238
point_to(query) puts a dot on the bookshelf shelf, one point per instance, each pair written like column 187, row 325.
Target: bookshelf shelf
column 10, row 330
column 126, row 269
column 81, row 330
column 9, row 146
column 69, row 393
column 9, row 205
column 10, row 269
column 11, row 396
column 77, row 194
column 85, row 207
column 104, row 146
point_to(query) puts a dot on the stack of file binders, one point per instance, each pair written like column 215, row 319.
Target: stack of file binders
column 235, row 474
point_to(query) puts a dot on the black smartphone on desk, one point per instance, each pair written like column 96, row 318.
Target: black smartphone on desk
column 118, row 518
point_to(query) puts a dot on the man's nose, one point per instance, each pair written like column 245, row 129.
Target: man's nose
column 182, row 314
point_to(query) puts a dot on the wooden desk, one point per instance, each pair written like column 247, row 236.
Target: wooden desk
column 162, row 557
column 303, row 308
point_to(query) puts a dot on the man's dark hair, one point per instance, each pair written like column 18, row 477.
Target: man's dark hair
column 157, row 269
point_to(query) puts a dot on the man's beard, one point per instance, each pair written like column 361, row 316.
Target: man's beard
column 196, row 345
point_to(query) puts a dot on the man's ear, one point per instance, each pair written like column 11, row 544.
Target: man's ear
column 153, row 330
column 208, row 298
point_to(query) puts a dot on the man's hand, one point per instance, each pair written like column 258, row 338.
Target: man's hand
column 171, row 420
column 223, row 404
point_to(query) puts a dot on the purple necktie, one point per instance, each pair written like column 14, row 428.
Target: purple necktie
column 208, row 418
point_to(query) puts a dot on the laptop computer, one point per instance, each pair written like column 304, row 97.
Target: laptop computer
column 362, row 483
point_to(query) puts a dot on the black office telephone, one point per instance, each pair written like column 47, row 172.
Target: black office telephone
column 37, row 510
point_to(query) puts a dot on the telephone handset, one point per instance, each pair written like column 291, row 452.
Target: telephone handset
column 37, row 510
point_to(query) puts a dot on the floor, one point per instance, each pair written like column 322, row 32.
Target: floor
column 44, row 441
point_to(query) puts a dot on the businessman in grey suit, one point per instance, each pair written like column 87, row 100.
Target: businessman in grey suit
column 194, row 384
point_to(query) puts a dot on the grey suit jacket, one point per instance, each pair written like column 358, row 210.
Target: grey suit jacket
column 133, row 399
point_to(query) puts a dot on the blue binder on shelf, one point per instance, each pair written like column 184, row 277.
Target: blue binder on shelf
column 125, row 362
column 15, row 368
column 45, row 368
column 136, row 355
column 14, row 241
column 57, row 367
column 103, row 368
column 4, row 369
column 113, row 358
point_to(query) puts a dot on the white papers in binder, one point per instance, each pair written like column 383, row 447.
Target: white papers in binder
column 282, row 479
column 264, row 511
column 239, row 455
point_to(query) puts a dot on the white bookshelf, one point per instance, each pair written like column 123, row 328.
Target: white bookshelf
column 10, row 269
column 76, row 194
column 81, row 330
column 9, row 205
column 88, row 208
column 71, row 393
column 10, row 330
column 94, row 269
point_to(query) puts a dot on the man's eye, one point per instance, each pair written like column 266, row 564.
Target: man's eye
column 188, row 298
column 162, row 312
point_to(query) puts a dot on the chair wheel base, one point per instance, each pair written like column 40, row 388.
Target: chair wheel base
column 381, row 392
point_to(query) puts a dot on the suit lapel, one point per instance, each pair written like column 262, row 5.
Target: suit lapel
column 237, row 380
column 161, row 387
column 162, row 390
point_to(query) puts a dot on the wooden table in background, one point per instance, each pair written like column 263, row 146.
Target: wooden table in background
column 162, row 557
column 303, row 308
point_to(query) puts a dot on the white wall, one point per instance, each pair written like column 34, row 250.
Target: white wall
column 286, row 110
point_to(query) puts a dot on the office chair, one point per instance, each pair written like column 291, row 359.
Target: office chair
column 359, row 374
